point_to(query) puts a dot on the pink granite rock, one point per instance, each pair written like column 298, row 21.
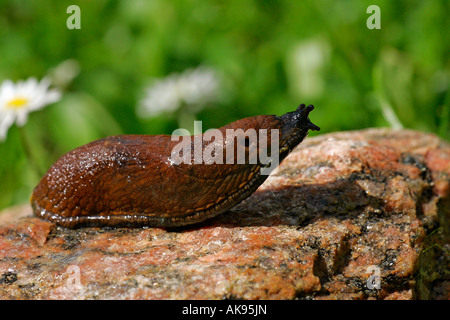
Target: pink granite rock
column 342, row 209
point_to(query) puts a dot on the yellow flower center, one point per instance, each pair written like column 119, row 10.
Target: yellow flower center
column 17, row 103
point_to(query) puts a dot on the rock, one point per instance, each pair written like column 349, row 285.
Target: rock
column 342, row 209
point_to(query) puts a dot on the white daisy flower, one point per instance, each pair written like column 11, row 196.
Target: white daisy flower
column 198, row 86
column 194, row 88
column 18, row 100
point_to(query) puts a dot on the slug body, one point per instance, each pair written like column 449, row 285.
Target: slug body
column 132, row 180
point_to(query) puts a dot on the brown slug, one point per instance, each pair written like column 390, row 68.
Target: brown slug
column 134, row 181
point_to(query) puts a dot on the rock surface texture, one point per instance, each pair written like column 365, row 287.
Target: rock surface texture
column 342, row 209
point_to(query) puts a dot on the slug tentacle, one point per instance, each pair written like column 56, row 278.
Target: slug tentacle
column 136, row 180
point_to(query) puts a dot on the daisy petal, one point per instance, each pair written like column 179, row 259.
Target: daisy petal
column 6, row 121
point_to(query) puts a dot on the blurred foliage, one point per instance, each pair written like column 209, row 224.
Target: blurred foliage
column 273, row 56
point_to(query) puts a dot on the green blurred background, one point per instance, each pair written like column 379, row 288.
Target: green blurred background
column 271, row 55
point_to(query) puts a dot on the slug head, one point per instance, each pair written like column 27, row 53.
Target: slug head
column 295, row 127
